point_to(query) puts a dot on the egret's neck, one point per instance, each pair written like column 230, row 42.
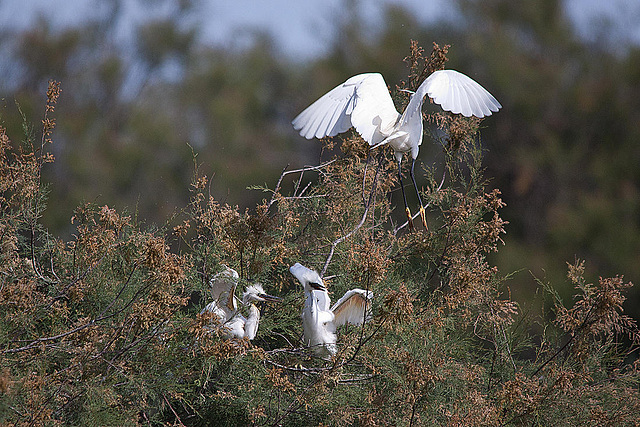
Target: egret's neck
column 251, row 324
column 311, row 303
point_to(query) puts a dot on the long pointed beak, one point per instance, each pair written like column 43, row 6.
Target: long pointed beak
column 270, row 298
column 317, row 286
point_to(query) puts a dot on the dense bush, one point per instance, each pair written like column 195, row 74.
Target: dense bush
column 105, row 329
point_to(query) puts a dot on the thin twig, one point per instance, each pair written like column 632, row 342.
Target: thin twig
column 306, row 187
column 174, row 412
column 366, row 165
column 357, row 380
column 317, row 196
column 275, row 191
column 297, row 368
column 358, row 226
column 298, row 183
column 569, row 341
column 285, row 172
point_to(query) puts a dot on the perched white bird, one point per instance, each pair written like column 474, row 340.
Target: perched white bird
column 224, row 306
column 364, row 102
column 320, row 322
column 247, row 327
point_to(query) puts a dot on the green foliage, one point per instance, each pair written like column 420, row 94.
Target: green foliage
column 105, row 328
column 563, row 151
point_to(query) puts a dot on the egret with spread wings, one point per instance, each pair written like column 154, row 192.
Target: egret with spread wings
column 320, row 322
column 364, row 102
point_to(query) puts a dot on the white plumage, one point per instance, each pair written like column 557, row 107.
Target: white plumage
column 247, row 327
column 364, row 102
column 231, row 322
column 223, row 286
column 319, row 321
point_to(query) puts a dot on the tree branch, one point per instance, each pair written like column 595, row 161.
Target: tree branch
column 359, row 225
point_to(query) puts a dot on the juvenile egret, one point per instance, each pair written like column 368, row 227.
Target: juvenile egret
column 223, row 286
column 247, row 327
column 320, row 322
column 225, row 307
column 364, row 102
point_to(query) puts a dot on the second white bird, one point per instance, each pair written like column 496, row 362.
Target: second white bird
column 320, row 322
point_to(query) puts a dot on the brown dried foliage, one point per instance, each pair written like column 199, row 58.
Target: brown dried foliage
column 100, row 325
column 78, row 316
column 597, row 311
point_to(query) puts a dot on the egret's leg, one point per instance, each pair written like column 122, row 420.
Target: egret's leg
column 404, row 196
column 423, row 215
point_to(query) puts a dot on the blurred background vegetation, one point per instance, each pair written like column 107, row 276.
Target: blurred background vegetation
column 564, row 150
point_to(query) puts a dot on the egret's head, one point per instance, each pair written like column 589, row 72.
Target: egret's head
column 225, row 279
column 227, row 273
column 255, row 293
column 309, row 279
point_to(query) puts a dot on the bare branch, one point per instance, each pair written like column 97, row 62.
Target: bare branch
column 301, row 171
column 359, row 225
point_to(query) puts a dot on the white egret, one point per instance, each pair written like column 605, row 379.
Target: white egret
column 247, row 327
column 225, row 307
column 223, row 286
column 320, row 322
column 364, row 102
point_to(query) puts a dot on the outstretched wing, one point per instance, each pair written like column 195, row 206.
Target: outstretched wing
column 363, row 102
column 352, row 306
column 223, row 282
column 457, row 93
